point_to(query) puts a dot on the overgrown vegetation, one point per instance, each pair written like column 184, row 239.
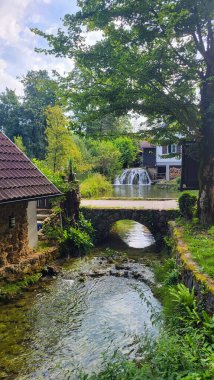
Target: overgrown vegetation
column 200, row 242
column 11, row 289
column 187, row 204
column 184, row 348
column 95, row 186
column 76, row 239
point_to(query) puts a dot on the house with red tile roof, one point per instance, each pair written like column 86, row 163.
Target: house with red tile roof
column 21, row 185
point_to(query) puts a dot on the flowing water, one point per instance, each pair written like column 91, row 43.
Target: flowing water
column 63, row 325
column 134, row 176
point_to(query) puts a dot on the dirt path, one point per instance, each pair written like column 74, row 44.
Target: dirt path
column 145, row 204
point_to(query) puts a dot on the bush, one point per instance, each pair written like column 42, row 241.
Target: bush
column 71, row 239
column 74, row 240
column 95, row 186
column 187, row 203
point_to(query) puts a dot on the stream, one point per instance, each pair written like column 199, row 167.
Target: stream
column 95, row 307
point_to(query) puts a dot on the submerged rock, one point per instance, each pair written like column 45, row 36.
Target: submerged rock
column 50, row 271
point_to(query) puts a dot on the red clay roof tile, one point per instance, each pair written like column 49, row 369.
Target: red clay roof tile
column 19, row 178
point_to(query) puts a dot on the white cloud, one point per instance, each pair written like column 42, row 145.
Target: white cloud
column 7, row 80
column 17, row 42
column 93, row 37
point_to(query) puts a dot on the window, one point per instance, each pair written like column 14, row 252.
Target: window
column 173, row 148
column 164, row 149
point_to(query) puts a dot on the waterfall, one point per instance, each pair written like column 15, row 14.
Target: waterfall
column 135, row 176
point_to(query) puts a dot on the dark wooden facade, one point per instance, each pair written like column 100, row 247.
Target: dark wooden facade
column 149, row 157
column 190, row 167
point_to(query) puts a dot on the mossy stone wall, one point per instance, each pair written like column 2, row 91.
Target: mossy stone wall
column 191, row 274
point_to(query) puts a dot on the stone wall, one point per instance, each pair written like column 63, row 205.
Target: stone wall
column 13, row 240
column 191, row 274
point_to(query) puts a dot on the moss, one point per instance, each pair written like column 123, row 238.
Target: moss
column 10, row 290
column 185, row 236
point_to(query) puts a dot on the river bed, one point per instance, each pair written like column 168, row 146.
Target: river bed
column 63, row 325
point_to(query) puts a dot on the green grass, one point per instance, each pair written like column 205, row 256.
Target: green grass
column 200, row 242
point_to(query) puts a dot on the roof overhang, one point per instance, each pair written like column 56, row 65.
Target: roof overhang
column 31, row 198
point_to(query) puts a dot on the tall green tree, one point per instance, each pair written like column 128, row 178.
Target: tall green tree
column 156, row 58
column 40, row 91
column 107, row 158
column 10, row 113
column 128, row 149
column 61, row 147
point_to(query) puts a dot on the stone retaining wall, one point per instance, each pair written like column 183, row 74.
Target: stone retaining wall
column 13, row 240
column 190, row 272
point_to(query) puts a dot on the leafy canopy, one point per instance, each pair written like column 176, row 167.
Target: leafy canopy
column 152, row 58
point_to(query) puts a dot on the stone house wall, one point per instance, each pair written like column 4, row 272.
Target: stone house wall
column 13, row 240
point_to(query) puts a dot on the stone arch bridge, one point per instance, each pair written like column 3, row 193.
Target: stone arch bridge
column 104, row 218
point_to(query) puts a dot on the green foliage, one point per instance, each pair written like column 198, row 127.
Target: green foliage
column 60, row 145
column 128, row 150
column 10, row 290
column 168, row 273
column 85, row 226
column 187, row 203
column 19, row 143
column 107, row 158
column 55, row 178
column 73, row 240
column 95, row 186
column 25, row 116
column 77, row 239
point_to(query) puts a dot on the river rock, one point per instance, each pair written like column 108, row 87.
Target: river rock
column 50, row 271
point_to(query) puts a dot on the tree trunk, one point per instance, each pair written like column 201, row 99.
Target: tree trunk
column 206, row 172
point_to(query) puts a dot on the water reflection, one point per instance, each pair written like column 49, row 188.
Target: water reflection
column 144, row 191
column 134, row 234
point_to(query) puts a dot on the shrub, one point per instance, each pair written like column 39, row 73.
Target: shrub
column 187, row 204
column 71, row 239
column 74, row 240
column 95, row 186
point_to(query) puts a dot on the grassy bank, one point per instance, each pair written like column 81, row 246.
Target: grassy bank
column 11, row 289
column 200, row 243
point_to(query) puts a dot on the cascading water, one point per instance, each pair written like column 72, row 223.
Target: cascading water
column 134, row 176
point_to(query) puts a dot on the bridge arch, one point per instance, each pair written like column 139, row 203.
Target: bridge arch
column 155, row 220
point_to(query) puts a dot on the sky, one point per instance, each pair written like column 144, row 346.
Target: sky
column 17, row 42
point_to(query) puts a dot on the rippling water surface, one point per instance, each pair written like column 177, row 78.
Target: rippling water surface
column 64, row 325
column 145, row 191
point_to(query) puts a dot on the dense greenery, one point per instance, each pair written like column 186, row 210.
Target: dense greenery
column 95, row 186
column 183, row 350
column 155, row 58
column 72, row 239
column 200, row 242
column 25, row 116
column 187, row 203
